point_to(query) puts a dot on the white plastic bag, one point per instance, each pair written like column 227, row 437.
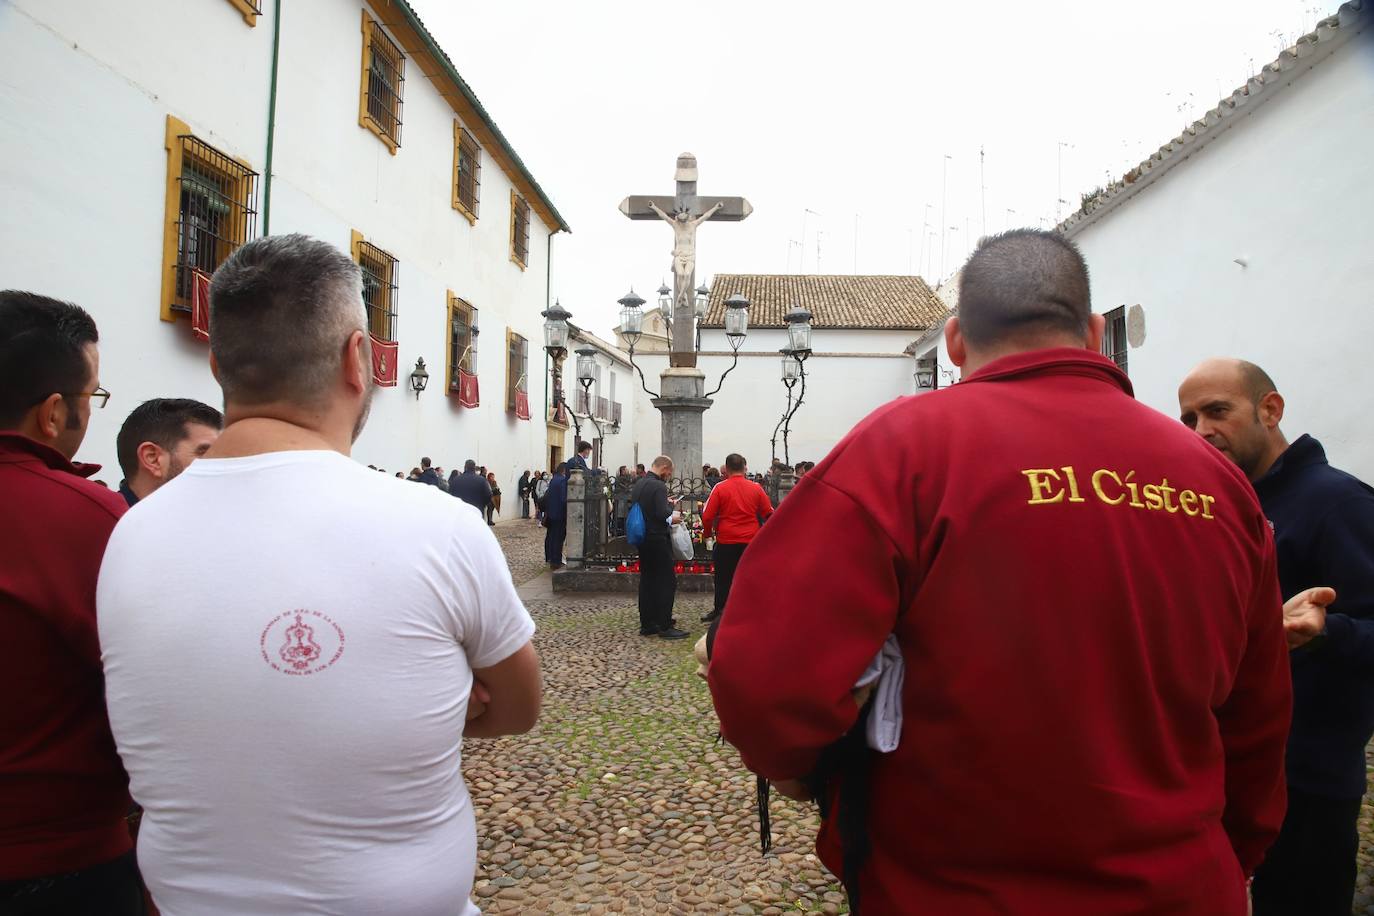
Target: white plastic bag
column 682, row 543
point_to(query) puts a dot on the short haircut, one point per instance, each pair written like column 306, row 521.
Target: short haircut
column 425, row 462
column 469, row 466
column 161, row 421
column 734, row 462
column 583, row 447
column 562, row 468
column 280, row 310
column 42, row 352
column 662, row 461
column 1022, row 284
column 1256, row 381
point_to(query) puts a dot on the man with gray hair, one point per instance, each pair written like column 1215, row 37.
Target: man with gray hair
column 292, row 717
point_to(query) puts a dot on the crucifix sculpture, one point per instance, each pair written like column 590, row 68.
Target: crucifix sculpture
column 685, row 211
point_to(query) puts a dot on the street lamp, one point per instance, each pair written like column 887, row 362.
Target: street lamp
column 925, row 373
column 631, row 318
column 736, row 320
column 665, row 302
column 556, row 347
column 586, row 375
column 419, row 377
column 798, row 331
column 703, row 298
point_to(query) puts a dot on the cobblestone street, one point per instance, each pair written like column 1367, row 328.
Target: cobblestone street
column 620, row 800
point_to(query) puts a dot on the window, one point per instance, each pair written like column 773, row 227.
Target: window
column 380, row 276
column 211, row 211
column 383, row 81
column 250, row 9
column 1114, row 337
column 467, row 172
column 517, row 365
column 519, row 230
column 461, row 318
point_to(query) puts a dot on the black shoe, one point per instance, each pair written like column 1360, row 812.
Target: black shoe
column 711, row 617
column 673, row 633
column 648, row 632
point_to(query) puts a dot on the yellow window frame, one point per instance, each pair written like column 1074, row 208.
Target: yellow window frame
column 470, row 212
column 390, row 311
column 518, row 204
column 248, row 9
column 456, row 305
column 171, row 303
column 371, row 28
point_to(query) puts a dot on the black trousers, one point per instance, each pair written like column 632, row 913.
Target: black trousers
column 1310, row 869
column 524, row 507
column 110, row 889
column 726, row 557
column 554, row 534
column 657, row 583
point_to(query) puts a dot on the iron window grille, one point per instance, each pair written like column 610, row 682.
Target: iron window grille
column 517, row 365
column 582, row 402
column 459, row 342
column 603, row 409
column 1114, row 339
column 380, row 273
column 216, row 213
column 519, row 229
column 385, row 83
column 615, row 412
column 467, row 179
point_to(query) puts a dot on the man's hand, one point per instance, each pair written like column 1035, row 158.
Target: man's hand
column 478, row 699
column 675, row 518
column 1304, row 615
column 794, row 789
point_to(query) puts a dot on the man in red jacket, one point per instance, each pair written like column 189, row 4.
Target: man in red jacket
column 734, row 511
column 1084, row 595
column 64, row 843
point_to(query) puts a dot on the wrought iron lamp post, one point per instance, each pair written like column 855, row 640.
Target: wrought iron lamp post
column 736, row 326
column 419, row 377
column 586, row 375
column 556, row 347
column 794, row 357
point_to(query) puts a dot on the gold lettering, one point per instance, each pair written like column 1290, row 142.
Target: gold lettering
column 1153, row 499
column 1187, row 500
column 1207, row 504
column 1097, row 486
column 1135, row 492
column 1041, row 486
column 1168, row 491
column 1073, row 484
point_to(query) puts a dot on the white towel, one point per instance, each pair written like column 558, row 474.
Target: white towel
column 888, row 669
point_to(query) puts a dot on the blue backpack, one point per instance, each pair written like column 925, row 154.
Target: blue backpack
column 634, row 526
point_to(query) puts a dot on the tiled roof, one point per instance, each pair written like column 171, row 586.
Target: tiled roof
column 1306, row 52
column 834, row 300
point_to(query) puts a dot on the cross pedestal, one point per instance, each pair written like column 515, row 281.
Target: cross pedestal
column 681, row 403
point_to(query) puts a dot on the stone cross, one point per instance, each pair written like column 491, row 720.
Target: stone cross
column 685, row 212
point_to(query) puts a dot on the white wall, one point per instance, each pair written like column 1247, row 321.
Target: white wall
column 1289, row 189
column 83, row 106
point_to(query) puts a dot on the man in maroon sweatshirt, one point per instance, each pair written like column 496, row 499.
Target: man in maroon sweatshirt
column 64, row 843
column 1096, row 691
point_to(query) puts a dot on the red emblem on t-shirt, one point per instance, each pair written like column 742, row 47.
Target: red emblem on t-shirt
column 301, row 642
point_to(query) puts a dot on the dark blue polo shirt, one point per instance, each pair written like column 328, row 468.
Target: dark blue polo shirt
column 1323, row 523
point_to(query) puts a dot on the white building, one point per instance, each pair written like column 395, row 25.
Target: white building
column 604, row 409
column 140, row 145
column 1248, row 236
column 863, row 326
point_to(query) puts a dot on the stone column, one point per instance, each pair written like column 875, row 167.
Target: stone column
column 680, row 407
column 787, row 480
column 574, row 546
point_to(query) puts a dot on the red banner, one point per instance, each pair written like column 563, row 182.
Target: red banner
column 383, row 362
column 522, row 405
column 200, row 305
column 467, row 389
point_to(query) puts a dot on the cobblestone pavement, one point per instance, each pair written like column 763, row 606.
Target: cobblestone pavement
column 620, row 801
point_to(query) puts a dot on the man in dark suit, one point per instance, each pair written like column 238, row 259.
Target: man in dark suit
column 581, row 459
column 657, row 581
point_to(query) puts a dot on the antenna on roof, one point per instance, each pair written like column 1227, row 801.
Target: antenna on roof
column 983, row 190
column 856, row 243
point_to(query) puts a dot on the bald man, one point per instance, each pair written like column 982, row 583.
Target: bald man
column 1323, row 521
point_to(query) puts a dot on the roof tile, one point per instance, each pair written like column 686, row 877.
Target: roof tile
column 847, row 301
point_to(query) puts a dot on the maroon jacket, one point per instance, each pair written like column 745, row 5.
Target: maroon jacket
column 63, row 791
column 1084, row 591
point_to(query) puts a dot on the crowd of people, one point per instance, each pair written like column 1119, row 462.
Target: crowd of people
column 1025, row 669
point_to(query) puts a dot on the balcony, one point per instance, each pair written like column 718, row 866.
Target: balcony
column 615, row 412
column 603, row 408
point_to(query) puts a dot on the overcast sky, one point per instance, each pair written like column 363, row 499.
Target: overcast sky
column 846, row 109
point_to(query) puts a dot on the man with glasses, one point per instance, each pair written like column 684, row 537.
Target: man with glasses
column 64, row 844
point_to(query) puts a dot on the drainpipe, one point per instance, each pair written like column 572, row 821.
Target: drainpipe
column 271, row 120
column 548, row 294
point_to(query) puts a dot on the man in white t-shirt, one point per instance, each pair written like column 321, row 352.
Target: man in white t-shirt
column 294, row 647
